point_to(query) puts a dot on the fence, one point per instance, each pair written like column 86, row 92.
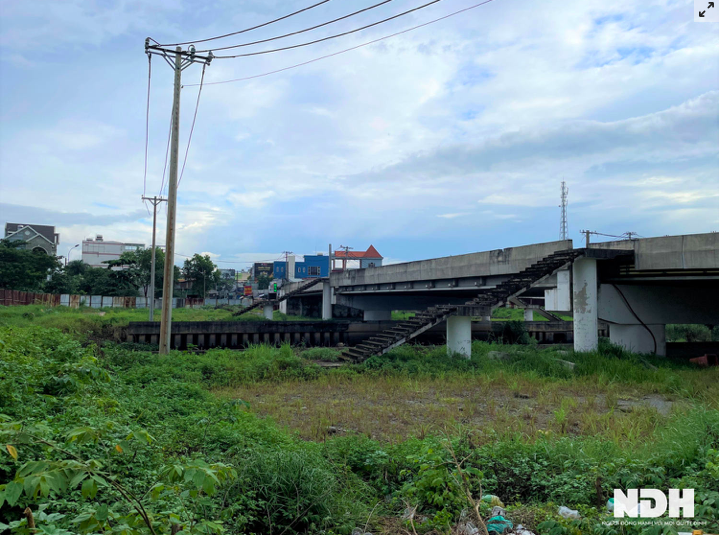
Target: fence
column 15, row 298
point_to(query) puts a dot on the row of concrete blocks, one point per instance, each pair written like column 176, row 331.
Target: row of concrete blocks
column 239, row 340
column 99, row 301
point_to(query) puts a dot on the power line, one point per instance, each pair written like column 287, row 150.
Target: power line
column 348, row 49
column 300, row 31
column 233, row 261
column 167, row 151
column 330, row 36
column 147, row 132
column 192, row 127
column 248, row 29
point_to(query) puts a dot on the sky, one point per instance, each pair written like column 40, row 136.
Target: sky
column 449, row 139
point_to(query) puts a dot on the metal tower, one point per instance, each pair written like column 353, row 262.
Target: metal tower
column 563, row 208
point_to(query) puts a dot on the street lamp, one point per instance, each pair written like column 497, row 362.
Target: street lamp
column 67, row 258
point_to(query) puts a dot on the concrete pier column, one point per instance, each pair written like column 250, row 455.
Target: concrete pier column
column 527, row 314
column 459, row 336
column 487, row 318
column 585, row 300
column 637, row 339
column 268, row 312
column 326, row 301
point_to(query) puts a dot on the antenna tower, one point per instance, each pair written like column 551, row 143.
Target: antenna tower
column 563, row 214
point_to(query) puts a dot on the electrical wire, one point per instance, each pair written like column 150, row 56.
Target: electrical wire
column 192, row 127
column 247, row 29
column 300, row 45
column 147, row 132
column 167, row 152
column 637, row 318
column 299, row 31
column 347, row 49
column 231, row 261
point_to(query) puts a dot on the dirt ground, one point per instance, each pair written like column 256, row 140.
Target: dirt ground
column 394, row 409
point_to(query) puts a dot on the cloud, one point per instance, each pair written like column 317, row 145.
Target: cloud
column 446, row 139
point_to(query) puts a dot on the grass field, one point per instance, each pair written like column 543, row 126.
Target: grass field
column 268, row 441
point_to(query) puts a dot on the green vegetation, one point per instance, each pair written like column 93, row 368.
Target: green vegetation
column 108, row 437
column 24, row 270
column 691, row 333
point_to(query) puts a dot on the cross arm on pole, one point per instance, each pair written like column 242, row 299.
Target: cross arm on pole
column 188, row 56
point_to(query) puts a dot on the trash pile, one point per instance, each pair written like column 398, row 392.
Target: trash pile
column 499, row 522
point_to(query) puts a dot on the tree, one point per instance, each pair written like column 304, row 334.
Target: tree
column 202, row 272
column 25, row 270
column 76, row 267
column 63, row 283
column 263, row 282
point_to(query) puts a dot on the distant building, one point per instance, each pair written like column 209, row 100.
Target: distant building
column 227, row 274
column 97, row 251
column 312, row 266
column 369, row 258
column 262, row 268
column 38, row 237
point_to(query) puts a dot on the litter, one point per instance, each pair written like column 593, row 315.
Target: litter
column 498, row 524
column 566, row 512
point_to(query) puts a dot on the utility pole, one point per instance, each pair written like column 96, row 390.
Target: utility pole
column 587, row 237
column 345, row 258
column 330, row 256
column 183, row 59
column 155, row 201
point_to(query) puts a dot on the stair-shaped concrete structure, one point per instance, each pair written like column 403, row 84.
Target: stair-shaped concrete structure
column 486, row 301
column 263, row 302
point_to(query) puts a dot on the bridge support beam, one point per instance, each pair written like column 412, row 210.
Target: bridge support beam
column 459, row 336
column 527, row 314
column 326, row 301
column 585, row 304
column 377, row 315
column 268, row 312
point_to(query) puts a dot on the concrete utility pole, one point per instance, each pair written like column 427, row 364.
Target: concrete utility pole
column 330, row 259
column 182, row 60
column 587, row 237
column 345, row 258
column 169, row 272
column 155, row 201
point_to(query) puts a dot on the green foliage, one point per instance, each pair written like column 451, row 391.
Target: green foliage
column 263, row 282
column 510, row 332
column 327, row 354
column 22, row 269
column 691, row 333
column 79, row 278
column 202, row 272
column 121, row 440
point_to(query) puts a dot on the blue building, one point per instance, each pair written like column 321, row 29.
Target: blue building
column 279, row 270
column 312, row 266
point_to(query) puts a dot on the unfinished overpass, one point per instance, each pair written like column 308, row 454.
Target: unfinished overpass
column 636, row 286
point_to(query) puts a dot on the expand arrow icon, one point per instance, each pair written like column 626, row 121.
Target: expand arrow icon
column 701, row 14
column 711, row 4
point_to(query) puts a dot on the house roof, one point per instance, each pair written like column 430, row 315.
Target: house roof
column 46, row 231
column 370, row 253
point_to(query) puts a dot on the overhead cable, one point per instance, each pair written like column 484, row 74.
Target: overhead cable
column 247, row 29
column 192, row 127
column 299, row 45
column 348, row 49
column 147, row 132
column 299, row 31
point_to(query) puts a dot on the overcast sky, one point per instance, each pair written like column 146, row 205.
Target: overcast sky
column 449, row 139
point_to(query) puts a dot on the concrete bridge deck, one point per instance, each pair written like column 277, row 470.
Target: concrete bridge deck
column 636, row 286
